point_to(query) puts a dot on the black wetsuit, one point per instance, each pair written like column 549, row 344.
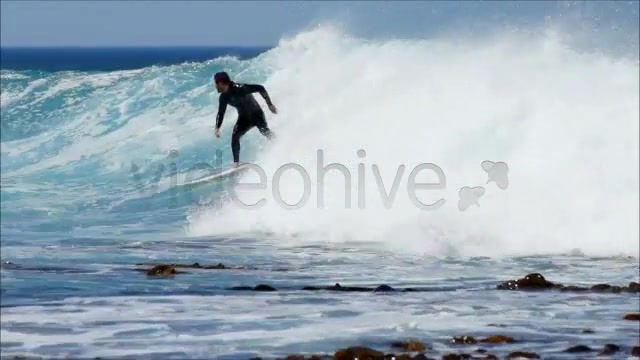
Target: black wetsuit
column 250, row 113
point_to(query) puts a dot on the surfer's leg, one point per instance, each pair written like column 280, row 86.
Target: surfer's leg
column 261, row 124
column 241, row 128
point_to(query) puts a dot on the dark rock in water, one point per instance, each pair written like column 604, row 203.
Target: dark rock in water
column 536, row 281
column 481, row 351
column 196, row 265
column 263, row 287
column 498, row 325
column 632, row 316
column 609, row 349
column 384, row 288
column 578, row 349
column 533, row 281
column 410, row 345
column 358, row 352
column 588, row 331
column 260, row 287
column 241, row 288
column 311, row 288
column 295, row 357
column 635, row 351
column 460, row 356
column 409, row 290
column 338, row 287
column 633, row 287
column 162, row 270
column 463, row 340
column 498, row 339
column 522, row 355
column 606, row 288
column 573, row 289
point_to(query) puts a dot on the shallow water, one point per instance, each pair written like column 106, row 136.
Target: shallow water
column 68, row 300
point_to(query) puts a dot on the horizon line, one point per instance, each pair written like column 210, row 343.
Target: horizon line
column 129, row 46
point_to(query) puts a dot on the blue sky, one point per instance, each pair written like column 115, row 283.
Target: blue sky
column 157, row 23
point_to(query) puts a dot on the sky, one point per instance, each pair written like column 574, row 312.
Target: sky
column 257, row 23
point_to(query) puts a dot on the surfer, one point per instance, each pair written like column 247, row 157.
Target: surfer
column 250, row 113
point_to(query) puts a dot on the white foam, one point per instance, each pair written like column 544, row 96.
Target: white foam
column 565, row 122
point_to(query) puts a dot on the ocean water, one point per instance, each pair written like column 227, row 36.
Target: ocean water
column 93, row 156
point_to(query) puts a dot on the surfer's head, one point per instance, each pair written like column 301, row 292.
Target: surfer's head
column 222, row 81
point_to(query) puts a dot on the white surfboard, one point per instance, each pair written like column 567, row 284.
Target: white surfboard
column 219, row 176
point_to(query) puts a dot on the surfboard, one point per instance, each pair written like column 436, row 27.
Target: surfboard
column 219, row 176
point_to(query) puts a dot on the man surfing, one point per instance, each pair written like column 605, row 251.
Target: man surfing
column 250, row 113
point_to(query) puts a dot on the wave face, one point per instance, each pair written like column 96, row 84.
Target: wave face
column 84, row 152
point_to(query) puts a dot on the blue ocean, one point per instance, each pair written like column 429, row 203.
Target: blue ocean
column 107, row 253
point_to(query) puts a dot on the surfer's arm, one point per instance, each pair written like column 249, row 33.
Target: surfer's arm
column 256, row 88
column 222, row 107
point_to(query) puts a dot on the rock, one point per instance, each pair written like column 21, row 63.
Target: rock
column 196, row 265
column 410, row 345
column 632, row 316
column 359, row 352
column 311, row 288
column 635, row 351
column 573, row 289
column 263, row 287
column 633, row 287
column 587, row 331
column 498, row 339
column 338, row 287
column 468, row 340
column 241, row 288
column 295, row 357
column 536, row 281
column 384, row 288
column 533, row 281
column 522, row 355
column 606, row 288
column 609, row 349
column 578, row 349
column 162, row 270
